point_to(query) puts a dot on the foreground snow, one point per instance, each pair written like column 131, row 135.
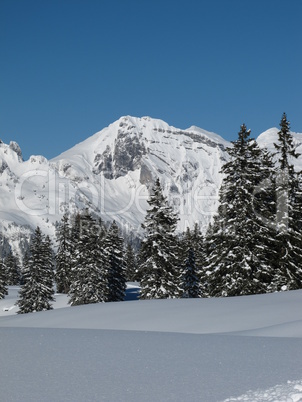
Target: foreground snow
column 290, row 392
column 165, row 350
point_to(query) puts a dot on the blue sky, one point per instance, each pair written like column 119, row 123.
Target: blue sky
column 68, row 68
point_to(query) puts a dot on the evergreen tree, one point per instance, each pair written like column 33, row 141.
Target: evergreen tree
column 13, row 269
column 4, row 246
column 37, row 291
column 190, row 278
column 191, row 258
column 75, row 235
column 63, row 256
column 237, row 261
column 158, row 255
column 130, row 263
column 3, row 284
column 288, row 269
column 285, row 147
column 265, row 190
column 115, row 273
column 25, row 265
column 49, row 259
column 86, row 280
column 199, row 248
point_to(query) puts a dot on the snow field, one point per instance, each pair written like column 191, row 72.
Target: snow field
column 165, row 350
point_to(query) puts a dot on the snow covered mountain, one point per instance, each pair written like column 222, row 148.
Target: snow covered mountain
column 115, row 167
column 111, row 173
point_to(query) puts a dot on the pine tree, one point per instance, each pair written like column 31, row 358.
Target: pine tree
column 288, row 269
column 75, row 235
column 130, row 263
column 13, row 269
column 3, row 277
column 190, row 277
column 115, row 275
column 86, row 280
column 37, row 292
column 285, row 146
column 199, row 247
column 191, row 258
column 49, row 259
column 158, row 255
column 237, row 260
column 25, row 265
column 63, row 256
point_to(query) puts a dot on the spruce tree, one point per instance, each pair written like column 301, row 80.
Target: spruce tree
column 130, row 263
column 115, row 268
column 199, row 247
column 285, row 147
column 37, row 292
column 192, row 248
column 265, row 207
column 75, row 235
column 25, row 265
column 86, row 280
column 288, row 269
column 158, row 255
column 13, row 269
column 49, row 259
column 237, row 260
column 3, row 277
column 63, row 256
column 190, row 277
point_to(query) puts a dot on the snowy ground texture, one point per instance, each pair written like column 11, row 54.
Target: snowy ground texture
column 211, row 350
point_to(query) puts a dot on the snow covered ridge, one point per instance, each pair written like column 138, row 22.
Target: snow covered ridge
column 111, row 173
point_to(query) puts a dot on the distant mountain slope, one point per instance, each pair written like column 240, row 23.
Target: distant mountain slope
column 111, row 173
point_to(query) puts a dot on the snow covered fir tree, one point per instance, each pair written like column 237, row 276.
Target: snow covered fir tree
column 288, row 270
column 3, row 280
column 115, row 272
column 158, row 271
column 37, row 293
column 241, row 246
column 87, row 272
column 63, row 255
column 130, row 263
column 13, row 271
column 96, row 269
column 190, row 281
column 190, row 261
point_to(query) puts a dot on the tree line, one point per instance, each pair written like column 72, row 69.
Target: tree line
column 253, row 245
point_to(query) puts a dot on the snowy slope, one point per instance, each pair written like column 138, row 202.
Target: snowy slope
column 111, row 172
column 205, row 350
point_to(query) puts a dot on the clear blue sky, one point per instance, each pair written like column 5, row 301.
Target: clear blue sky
column 68, row 68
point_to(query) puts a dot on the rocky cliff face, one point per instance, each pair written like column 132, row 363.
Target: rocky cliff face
column 124, row 156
